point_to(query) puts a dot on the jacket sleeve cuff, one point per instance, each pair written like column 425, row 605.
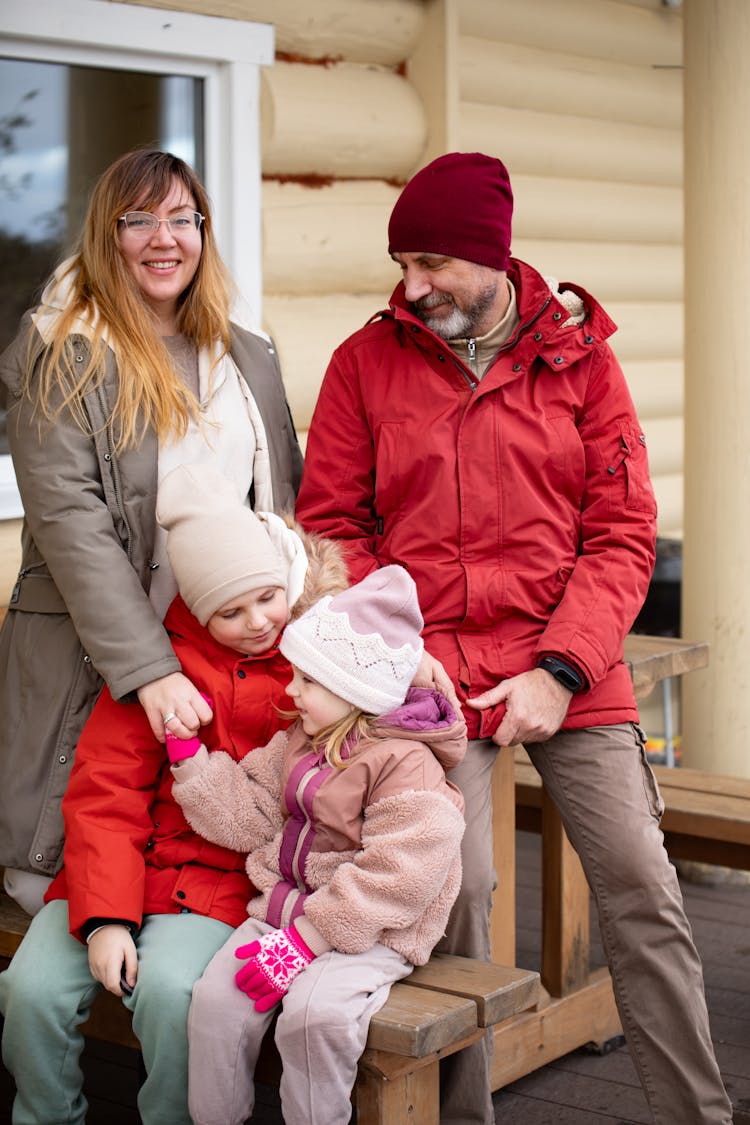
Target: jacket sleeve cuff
column 91, row 925
column 311, row 937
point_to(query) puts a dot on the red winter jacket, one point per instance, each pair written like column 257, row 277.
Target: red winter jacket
column 128, row 849
column 520, row 504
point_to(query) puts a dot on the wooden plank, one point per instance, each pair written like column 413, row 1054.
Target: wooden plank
column 708, row 806
column 391, row 1066
column 417, row 1022
column 532, row 1039
column 699, row 781
column 497, row 990
column 565, row 910
column 14, row 922
column 503, row 914
column 651, row 659
column 409, row 1098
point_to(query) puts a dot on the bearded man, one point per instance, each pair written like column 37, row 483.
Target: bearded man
column 480, row 432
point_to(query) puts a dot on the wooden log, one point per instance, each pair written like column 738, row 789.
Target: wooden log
column 552, row 82
column 665, row 442
column 669, row 490
column 351, row 29
column 596, row 28
column 612, row 271
column 339, row 121
column 647, row 331
column 657, row 386
column 561, row 144
column 594, row 210
column 306, row 331
column 330, row 239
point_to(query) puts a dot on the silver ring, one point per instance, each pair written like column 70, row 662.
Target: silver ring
column 168, row 718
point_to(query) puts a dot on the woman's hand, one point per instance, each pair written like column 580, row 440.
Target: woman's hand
column 173, row 702
column 112, row 953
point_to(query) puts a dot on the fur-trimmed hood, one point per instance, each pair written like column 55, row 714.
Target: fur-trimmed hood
column 326, row 569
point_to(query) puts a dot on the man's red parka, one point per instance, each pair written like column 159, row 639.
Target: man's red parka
column 521, row 504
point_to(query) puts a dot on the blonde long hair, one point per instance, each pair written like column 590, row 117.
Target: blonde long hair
column 107, row 299
column 332, row 739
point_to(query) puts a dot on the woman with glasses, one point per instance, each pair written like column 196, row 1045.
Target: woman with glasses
column 136, row 361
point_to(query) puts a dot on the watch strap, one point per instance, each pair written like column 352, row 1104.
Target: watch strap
column 563, row 672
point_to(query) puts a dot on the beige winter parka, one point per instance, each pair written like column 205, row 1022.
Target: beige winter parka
column 80, row 617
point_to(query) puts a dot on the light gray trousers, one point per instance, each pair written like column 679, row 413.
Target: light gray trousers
column 610, row 805
column 320, row 1034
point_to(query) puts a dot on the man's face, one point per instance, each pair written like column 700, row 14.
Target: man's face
column 454, row 298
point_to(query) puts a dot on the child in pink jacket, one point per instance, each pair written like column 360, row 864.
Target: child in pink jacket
column 353, row 834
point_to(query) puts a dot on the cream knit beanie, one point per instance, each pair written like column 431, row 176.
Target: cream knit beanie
column 218, row 548
column 363, row 644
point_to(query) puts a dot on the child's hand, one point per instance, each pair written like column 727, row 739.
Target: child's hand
column 275, row 960
column 112, row 952
column 180, row 748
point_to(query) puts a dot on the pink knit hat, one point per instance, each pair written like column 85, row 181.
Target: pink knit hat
column 363, row 644
column 459, row 205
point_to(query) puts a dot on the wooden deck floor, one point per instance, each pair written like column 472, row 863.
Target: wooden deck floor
column 580, row 1089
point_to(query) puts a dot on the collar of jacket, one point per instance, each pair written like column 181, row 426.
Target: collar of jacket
column 542, row 333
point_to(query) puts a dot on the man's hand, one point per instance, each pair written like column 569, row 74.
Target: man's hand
column 174, row 698
column 535, row 707
column 111, row 952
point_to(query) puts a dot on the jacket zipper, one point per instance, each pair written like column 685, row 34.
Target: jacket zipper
column 16, row 592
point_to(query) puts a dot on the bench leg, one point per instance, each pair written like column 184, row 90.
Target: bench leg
column 565, row 909
column 412, row 1098
column 503, row 916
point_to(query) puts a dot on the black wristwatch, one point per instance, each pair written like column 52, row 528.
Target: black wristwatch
column 564, row 673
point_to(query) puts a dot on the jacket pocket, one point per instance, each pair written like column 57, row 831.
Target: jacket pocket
column 631, row 461
column 35, row 592
column 650, row 784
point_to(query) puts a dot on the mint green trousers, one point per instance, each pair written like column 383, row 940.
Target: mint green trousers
column 45, row 996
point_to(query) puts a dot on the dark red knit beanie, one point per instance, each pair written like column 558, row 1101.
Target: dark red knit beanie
column 459, row 205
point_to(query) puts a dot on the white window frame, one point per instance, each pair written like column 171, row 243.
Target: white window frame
column 225, row 53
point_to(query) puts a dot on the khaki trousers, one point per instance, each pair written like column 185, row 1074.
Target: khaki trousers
column 610, row 805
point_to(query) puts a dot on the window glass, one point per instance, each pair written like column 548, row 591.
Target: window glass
column 60, row 127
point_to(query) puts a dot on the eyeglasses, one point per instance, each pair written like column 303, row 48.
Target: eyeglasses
column 143, row 222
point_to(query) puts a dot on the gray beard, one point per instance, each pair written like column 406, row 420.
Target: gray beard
column 461, row 324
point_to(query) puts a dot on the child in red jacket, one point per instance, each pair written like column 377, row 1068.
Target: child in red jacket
column 142, row 902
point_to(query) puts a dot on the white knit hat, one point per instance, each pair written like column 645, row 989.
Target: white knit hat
column 363, row 644
column 218, row 548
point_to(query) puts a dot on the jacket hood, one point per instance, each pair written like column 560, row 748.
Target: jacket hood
column 427, row 716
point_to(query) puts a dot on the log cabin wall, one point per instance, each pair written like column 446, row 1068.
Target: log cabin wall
column 582, row 99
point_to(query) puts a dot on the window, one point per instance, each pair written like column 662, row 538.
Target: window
column 82, row 81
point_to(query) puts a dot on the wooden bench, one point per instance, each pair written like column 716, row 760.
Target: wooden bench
column 439, row 1009
column 706, row 816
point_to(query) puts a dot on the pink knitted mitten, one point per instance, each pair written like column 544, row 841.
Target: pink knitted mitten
column 275, row 960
